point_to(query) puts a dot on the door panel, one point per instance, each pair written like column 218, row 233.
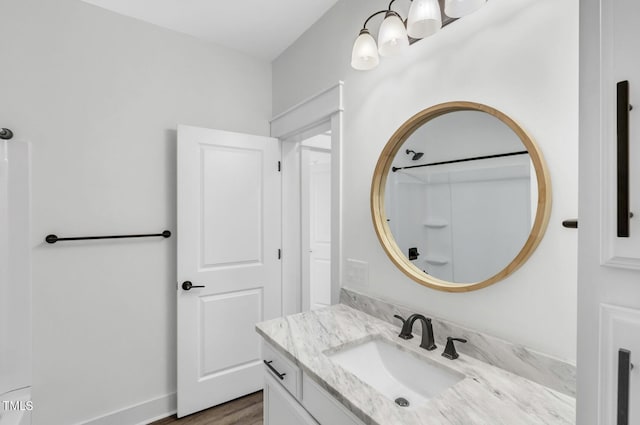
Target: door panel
column 620, row 63
column 619, row 329
column 317, row 267
column 235, row 176
column 229, row 223
column 225, row 347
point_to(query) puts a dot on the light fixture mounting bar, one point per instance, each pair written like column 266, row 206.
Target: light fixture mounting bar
column 377, row 13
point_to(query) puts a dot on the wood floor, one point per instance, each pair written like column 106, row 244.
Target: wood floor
column 243, row 411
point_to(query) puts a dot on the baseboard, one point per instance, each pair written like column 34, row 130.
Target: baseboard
column 139, row 414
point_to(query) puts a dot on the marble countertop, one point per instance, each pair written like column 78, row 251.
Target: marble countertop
column 487, row 396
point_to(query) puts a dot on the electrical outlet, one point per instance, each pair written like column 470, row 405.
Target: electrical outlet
column 357, row 272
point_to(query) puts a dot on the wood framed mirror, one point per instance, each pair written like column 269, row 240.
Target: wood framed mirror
column 460, row 197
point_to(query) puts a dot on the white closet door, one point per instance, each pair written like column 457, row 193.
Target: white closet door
column 316, row 222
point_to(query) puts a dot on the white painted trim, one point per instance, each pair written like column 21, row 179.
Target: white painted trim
column 319, row 107
column 291, row 228
column 622, row 262
column 305, row 276
column 311, row 119
column 139, row 414
column 336, row 204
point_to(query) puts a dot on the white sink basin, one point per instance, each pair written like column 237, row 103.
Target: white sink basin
column 395, row 373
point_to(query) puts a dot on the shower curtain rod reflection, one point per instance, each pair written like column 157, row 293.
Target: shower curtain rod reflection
column 453, row 161
column 54, row 238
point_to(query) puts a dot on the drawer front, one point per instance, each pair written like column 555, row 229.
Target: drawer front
column 282, row 370
column 324, row 408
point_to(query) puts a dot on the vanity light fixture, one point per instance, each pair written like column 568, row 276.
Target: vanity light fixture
column 392, row 36
column 424, row 19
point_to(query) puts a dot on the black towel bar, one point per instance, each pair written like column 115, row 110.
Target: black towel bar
column 54, row 238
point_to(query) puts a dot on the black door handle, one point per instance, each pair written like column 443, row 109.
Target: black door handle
column 624, row 369
column 187, row 285
column 623, row 109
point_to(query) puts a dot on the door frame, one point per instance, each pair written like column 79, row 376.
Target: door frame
column 319, row 113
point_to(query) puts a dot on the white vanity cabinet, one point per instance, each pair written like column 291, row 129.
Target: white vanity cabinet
column 282, row 391
column 326, row 409
column 280, row 408
column 292, row 398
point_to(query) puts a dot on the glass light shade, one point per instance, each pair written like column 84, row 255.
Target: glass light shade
column 460, row 8
column 424, row 18
column 392, row 38
column 365, row 52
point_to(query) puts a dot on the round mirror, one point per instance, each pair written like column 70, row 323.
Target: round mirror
column 460, row 197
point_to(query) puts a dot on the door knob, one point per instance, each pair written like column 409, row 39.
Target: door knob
column 187, row 285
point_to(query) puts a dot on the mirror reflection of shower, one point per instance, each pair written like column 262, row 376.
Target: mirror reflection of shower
column 416, row 155
column 464, row 211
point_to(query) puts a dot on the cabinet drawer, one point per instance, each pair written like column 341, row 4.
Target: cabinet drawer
column 290, row 375
column 324, row 408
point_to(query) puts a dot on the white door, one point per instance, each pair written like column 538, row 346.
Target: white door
column 229, row 205
column 608, row 262
column 316, row 226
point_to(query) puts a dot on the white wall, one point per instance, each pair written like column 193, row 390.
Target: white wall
column 519, row 56
column 99, row 96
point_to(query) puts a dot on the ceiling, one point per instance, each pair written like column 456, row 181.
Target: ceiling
column 259, row 28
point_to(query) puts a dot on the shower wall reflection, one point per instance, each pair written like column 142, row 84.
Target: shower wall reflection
column 465, row 209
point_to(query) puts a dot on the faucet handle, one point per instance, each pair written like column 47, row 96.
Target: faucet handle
column 450, row 350
column 405, row 333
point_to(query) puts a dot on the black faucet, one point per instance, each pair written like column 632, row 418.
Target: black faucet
column 427, row 330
